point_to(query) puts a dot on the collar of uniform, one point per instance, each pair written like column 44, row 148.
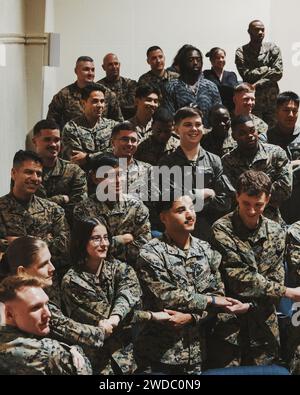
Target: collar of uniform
column 115, row 207
column 24, row 204
column 261, row 154
column 173, row 249
column 200, row 156
column 55, row 171
column 246, row 234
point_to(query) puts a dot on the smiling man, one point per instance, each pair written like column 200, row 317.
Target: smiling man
column 63, row 183
column 252, row 154
column 23, row 213
column 25, row 348
column 252, row 268
column 89, row 133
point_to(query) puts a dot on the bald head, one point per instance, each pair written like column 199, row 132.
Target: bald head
column 111, row 66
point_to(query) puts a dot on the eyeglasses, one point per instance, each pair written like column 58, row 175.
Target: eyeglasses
column 133, row 140
column 97, row 239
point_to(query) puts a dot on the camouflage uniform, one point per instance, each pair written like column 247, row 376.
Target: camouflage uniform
column 212, row 143
column 259, row 124
column 21, row 353
column 253, row 271
column 90, row 298
column 210, row 167
column 271, row 160
column 263, row 68
column 143, row 132
column 179, row 280
column 151, row 151
column 129, row 215
column 156, row 80
column 78, row 135
column 63, row 179
column 293, row 254
column 40, row 218
column 66, row 105
column 124, row 89
column 291, row 144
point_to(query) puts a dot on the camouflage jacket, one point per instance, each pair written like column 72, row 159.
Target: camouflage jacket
column 293, row 254
column 63, row 179
column 263, row 68
column 129, row 215
column 90, row 298
column 21, row 353
column 260, row 125
column 40, row 218
column 271, row 160
column 78, row 135
column 143, row 132
column 156, row 80
column 150, row 151
column 252, row 260
column 69, row 331
column 124, row 89
column 179, row 280
column 66, row 105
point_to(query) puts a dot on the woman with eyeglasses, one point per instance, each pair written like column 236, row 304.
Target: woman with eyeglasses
column 102, row 289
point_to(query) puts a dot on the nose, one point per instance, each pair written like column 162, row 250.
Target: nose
column 46, row 312
column 251, row 210
column 51, row 268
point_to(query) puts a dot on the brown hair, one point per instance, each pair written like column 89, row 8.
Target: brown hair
column 10, row 286
column 253, row 183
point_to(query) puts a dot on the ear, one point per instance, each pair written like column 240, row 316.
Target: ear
column 148, row 61
column 13, row 173
column 162, row 217
column 103, row 67
column 9, row 315
column 34, row 140
column 21, row 271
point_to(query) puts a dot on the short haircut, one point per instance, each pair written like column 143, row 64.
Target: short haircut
column 122, row 126
column 81, row 233
column 187, row 112
column 287, row 96
column 252, row 22
column 153, row 48
column 22, row 251
column 89, row 88
column 12, row 284
column 213, row 52
column 22, row 156
column 244, row 87
column 240, row 120
column 253, row 183
column 162, row 115
column 182, row 57
column 84, row 59
column 165, row 205
column 100, row 160
column 144, row 90
column 44, row 124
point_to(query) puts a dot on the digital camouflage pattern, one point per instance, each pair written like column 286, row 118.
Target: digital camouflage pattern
column 212, row 144
column 179, row 280
column 262, row 68
column 143, row 132
column 150, row 78
column 79, row 136
column 124, row 89
column 151, row 151
column 63, row 179
column 253, row 271
column 21, row 353
column 128, row 215
column 273, row 161
column 90, row 298
column 40, row 218
column 293, row 254
column 66, row 105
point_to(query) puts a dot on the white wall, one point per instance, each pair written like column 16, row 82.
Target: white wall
column 129, row 27
column 13, row 93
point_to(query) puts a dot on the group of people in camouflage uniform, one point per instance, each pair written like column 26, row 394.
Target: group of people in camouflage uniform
column 113, row 264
